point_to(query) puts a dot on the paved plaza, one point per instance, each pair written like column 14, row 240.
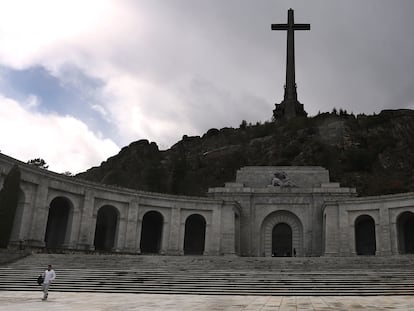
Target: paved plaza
column 13, row 301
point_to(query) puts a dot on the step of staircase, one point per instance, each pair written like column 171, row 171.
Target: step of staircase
column 215, row 275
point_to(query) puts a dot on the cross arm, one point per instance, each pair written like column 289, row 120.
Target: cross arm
column 280, row 27
column 301, row 26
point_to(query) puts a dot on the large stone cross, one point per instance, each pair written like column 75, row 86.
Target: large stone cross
column 290, row 107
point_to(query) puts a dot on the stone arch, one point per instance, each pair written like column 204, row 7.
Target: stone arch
column 151, row 232
column 58, row 222
column 405, row 231
column 107, row 220
column 282, row 217
column 365, row 240
column 194, row 235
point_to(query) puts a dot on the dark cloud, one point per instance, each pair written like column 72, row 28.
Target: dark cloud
column 357, row 55
column 169, row 68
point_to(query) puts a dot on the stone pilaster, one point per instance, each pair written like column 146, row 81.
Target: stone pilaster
column 132, row 227
column 165, row 238
column 39, row 217
column 176, row 241
column 86, row 231
column 331, row 230
column 213, row 234
column 383, row 236
column 228, row 230
column 119, row 244
column 343, row 236
column 138, row 235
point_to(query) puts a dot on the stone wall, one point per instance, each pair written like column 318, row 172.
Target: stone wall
column 264, row 206
column 78, row 203
column 66, row 213
column 385, row 214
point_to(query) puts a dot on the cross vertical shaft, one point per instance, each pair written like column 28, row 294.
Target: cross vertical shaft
column 290, row 86
column 290, row 107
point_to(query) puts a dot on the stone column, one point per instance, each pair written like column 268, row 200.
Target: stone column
column 165, row 238
column 39, row 216
column 307, row 233
column 227, row 230
column 352, row 239
column 22, row 219
column 383, row 236
column 394, row 236
column 138, row 234
column 132, row 227
column 176, row 242
column 119, row 242
column 344, row 239
column 331, row 230
column 86, row 230
column 72, row 229
column 247, row 221
column 182, row 235
column 213, row 233
column 208, row 242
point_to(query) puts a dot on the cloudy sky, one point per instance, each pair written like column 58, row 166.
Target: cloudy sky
column 80, row 79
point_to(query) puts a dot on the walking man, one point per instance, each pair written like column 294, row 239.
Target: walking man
column 49, row 276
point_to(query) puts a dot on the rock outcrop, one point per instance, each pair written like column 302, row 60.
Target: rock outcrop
column 372, row 153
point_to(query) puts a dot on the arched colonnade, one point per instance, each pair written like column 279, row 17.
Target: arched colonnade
column 107, row 222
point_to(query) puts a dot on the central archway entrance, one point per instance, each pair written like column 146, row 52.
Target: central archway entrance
column 195, row 235
column 105, row 232
column 365, row 235
column 151, row 232
column 282, row 240
column 405, row 225
column 281, row 235
column 57, row 222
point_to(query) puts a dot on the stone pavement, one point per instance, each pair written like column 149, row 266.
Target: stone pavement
column 13, row 301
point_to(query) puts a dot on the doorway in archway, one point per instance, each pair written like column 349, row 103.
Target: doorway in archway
column 105, row 230
column 405, row 224
column 151, row 232
column 57, row 222
column 194, row 235
column 365, row 235
column 282, row 240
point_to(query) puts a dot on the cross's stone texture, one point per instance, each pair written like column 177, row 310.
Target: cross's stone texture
column 290, row 106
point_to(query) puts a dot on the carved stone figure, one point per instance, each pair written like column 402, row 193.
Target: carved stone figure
column 280, row 179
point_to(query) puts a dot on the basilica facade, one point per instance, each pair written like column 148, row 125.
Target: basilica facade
column 267, row 211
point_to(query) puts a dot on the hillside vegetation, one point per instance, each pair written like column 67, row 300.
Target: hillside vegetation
column 374, row 153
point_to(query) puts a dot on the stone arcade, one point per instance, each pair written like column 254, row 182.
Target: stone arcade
column 253, row 216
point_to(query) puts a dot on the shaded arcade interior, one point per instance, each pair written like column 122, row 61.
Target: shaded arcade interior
column 195, row 235
column 151, row 233
column 365, row 243
column 405, row 227
column 106, row 227
column 60, row 212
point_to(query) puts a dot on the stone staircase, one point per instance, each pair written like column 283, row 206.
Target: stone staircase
column 215, row 275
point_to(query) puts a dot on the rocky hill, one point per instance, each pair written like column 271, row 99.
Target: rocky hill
column 374, row 153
